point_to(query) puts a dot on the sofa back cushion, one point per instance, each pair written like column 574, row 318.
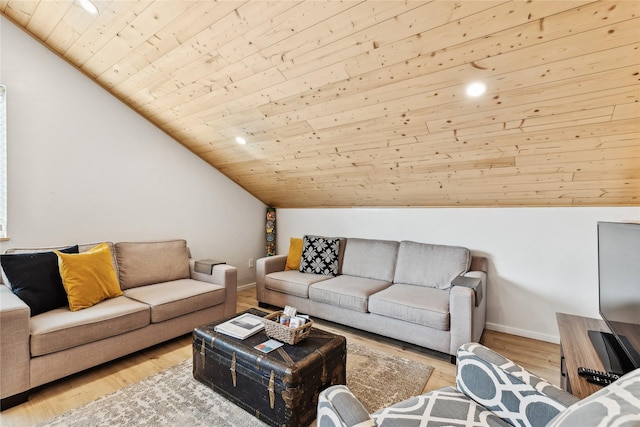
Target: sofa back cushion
column 373, row 259
column 145, row 263
column 423, row 264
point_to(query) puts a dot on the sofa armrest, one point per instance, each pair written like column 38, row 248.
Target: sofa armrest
column 475, row 278
column 338, row 407
column 270, row 264
column 14, row 344
column 265, row 266
column 507, row 389
column 475, row 283
column 223, row 275
column 467, row 311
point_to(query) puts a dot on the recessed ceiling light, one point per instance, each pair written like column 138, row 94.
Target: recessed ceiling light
column 89, row 6
column 476, row 89
column 240, row 140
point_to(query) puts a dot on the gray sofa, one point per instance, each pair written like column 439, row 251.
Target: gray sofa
column 490, row 391
column 163, row 297
column 433, row 296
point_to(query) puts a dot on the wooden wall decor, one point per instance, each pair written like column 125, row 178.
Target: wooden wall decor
column 271, row 231
column 361, row 103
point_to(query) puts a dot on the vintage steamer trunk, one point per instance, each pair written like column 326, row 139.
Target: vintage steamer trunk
column 281, row 387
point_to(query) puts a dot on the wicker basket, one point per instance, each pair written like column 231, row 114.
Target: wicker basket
column 275, row 330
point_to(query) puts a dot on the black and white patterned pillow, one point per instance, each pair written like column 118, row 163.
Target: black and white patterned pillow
column 320, row 255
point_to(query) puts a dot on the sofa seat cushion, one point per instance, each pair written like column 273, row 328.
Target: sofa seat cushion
column 415, row 304
column 60, row 329
column 429, row 265
column 177, row 297
column 293, row 282
column 443, row 407
column 347, row 291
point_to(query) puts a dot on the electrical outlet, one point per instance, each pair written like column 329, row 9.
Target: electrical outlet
column 250, row 262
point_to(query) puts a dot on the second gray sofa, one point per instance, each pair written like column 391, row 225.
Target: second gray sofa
column 429, row 295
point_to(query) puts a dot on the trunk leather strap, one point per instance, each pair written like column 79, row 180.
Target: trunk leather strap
column 324, row 366
column 233, row 368
column 272, row 390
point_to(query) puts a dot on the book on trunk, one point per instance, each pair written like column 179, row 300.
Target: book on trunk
column 242, row 326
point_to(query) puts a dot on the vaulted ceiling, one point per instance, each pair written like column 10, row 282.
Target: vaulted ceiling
column 362, row 103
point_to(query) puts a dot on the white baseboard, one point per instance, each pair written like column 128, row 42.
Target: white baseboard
column 523, row 333
column 247, row 286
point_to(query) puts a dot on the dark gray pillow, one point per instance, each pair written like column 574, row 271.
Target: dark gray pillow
column 35, row 279
column 320, row 255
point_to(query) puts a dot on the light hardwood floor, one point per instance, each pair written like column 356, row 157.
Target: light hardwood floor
column 539, row 357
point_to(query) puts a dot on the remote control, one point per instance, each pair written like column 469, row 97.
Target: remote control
column 587, row 372
column 594, row 379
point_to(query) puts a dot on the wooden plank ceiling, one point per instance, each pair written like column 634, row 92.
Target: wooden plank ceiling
column 361, row 103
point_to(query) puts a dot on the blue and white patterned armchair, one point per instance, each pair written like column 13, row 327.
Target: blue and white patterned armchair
column 491, row 390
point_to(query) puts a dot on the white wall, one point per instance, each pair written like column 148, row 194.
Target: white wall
column 541, row 260
column 83, row 167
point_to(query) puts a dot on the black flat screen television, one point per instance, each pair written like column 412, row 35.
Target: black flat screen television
column 619, row 296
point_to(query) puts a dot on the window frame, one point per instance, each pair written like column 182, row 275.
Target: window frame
column 3, row 162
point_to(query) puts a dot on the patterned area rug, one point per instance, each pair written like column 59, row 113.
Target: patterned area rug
column 174, row 398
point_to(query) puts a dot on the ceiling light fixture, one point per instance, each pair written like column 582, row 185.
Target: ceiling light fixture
column 476, row 89
column 89, row 6
column 240, row 140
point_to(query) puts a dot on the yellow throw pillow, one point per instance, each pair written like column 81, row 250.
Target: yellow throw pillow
column 88, row 277
column 294, row 255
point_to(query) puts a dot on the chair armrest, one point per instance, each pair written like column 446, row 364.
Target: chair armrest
column 469, row 281
column 507, row 389
column 15, row 356
column 338, row 407
column 223, row 275
column 265, row 266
